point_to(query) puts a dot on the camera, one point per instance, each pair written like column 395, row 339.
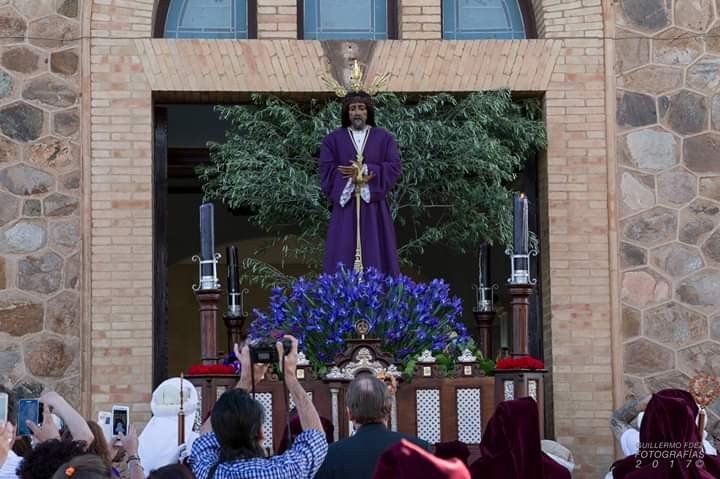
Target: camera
column 265, row 352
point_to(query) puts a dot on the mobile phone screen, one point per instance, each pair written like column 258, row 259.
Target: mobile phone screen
column 119, row 421
column 3, row 407
column 28, row 409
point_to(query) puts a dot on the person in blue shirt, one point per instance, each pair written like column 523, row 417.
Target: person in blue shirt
column 233, row 450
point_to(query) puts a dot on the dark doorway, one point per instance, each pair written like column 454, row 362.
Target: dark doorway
column 182, row 132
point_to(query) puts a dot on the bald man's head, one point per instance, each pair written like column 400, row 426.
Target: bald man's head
column 368, row 400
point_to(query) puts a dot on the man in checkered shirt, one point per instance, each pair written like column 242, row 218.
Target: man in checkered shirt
column 233, row 450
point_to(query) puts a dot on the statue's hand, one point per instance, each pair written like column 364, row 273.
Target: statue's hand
column 348, row 171
column 366, row 179
column 352, row 172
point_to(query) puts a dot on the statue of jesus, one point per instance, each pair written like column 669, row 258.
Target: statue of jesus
column 359, row 166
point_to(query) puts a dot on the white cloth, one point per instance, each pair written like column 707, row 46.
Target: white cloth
column 630, row 442
column 359, row 137
column 158, row 445
column 558, row 453
column 7, row 471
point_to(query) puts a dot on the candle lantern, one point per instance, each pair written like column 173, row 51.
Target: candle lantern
column 520, row 252
column 484, row 290
column 208, row 259
column 235, row 300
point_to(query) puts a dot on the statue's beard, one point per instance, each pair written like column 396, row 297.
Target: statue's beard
column 358, row 123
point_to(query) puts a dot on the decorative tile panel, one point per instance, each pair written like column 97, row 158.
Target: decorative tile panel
column 428, row 414
column 292, row 400
column 509, row 390
column 469, row 417
column 266, row 399
column 532, row 389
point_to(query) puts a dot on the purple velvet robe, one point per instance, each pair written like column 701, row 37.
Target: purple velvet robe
column 377, row 232
column 669, row 420
column 510, row 445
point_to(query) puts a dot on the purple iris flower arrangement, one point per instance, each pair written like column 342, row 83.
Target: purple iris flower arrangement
column 407, row 317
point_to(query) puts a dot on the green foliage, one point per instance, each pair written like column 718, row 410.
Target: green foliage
column 459, row 156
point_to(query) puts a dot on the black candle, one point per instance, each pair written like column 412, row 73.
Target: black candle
column 483, row 265
column 232, row 275
column 521, row 239
column 207, row 238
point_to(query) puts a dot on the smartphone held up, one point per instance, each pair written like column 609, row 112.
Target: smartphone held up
column 28, row 410
column 120, row 420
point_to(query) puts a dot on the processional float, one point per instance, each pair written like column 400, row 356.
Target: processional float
column 428, row 404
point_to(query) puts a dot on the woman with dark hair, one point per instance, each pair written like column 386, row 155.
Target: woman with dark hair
column 173, row 471
column 42, row 461
column 233, row 449
column 100, row 445
column 237, row 423
column 89, row 466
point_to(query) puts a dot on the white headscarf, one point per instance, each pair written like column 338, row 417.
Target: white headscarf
column 558, row 453
column 158, row 443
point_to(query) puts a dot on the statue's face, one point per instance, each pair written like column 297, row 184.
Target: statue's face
column 358, row 115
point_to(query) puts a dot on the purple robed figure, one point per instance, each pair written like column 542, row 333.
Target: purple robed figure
column 670, row 444
column 338, row 153
column 510, row 445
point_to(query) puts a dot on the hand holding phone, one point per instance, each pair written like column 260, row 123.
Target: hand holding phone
column 46, row 428
column 28, row 410
column 130, row 441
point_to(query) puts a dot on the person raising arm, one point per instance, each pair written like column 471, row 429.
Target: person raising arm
column 233, row 449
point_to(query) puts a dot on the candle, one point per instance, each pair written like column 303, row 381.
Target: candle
column 521, row 239
column 233, row 282
column 483, row 260
column 207, row 238
column 232, row 275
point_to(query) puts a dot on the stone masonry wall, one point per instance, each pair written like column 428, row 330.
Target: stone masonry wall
column 668, row 154
column 40, row 185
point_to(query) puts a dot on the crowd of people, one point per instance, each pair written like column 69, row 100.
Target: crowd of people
column 229, row 444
